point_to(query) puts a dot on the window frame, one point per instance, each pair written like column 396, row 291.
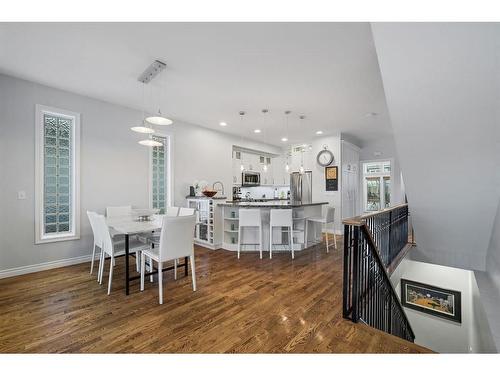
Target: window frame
column 380, row 175
column 40, row 235
column 169, row 175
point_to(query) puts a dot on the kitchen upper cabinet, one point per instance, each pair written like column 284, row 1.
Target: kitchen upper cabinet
column 237, row 160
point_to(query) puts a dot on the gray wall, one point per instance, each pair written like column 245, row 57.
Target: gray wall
column 114, row 168
column 442, row 89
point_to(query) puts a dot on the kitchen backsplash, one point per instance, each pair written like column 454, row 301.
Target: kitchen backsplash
column 261, row 191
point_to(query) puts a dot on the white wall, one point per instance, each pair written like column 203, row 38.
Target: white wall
column 493, row 255
column 441, row 83
column 441, row 335
column 114, row 168
column 319, row 193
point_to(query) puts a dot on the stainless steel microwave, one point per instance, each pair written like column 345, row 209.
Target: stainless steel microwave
column 249, row 178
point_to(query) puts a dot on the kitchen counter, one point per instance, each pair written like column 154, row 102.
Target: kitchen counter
column 305, row 233
column 271, row 204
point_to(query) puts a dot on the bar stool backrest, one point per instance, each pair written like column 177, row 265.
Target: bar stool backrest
column 330, row 214
column 281, row 217
column 250, row 217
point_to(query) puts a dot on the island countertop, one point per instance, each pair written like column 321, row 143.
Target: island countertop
column 271, row 204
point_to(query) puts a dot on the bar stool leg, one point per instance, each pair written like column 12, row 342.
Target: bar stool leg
column 271, row 242
column 239, row 241
column 326, row 234
column 291, row 242
column 260, row 241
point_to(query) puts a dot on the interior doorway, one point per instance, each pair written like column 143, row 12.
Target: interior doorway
column 376, row 185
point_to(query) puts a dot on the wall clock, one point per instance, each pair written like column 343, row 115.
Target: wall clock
column 325, row 157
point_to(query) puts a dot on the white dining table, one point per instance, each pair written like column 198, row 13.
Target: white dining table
column 129, row 225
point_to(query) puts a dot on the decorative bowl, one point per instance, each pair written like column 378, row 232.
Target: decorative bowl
column 209, row 193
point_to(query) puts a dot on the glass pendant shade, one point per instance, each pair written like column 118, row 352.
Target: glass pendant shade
column 242, row 168
column 150, row 143
column 142, row 129
column 159, row 119
column 287, row 167
column 301, row 169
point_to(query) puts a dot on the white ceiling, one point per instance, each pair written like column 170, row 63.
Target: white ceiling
column 326, row 71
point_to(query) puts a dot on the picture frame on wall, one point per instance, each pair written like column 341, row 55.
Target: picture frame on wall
column 331, row 178
column 433, row 300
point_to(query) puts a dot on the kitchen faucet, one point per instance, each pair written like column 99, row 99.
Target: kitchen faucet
column 221, row 185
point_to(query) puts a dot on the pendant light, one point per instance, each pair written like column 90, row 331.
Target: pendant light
column 159, row 119
column 287, row 166
column 265, row 111
column 144, row 128
column 242, row 113
column 150, row 142
column 302, row 150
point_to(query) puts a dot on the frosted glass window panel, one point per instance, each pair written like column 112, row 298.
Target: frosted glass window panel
column 158, row 178
column 57, row 173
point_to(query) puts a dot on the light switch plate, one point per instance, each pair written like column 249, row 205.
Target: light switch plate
column 21, row 194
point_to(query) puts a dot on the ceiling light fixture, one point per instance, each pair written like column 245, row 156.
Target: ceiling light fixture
column 264, row 112
column 143, row 128
column 151, row 72
column 242, row 113
column 257, row 131
column 284, row 139
column 319, row 132
column 371, row 114
column 222, row 123
column 150, row 143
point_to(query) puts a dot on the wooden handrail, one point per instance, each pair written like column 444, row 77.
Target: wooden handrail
column 361, row 219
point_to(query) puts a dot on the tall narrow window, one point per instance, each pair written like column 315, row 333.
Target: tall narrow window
column 57, row 180
column 159, row 175
column 377, row 185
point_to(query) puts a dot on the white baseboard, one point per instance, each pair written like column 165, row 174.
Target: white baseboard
column 43, row 266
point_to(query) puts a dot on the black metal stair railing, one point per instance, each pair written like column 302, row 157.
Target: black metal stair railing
column 371, row 243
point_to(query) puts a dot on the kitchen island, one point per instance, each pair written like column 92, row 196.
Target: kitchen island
column 302, row 238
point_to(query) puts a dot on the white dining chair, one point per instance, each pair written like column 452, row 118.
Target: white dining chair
column 281, row 218
column 249, row 218
column 97, row 237
column 186, row 211
column 176, row 241
column 328, row 218
column 112, row 250
column 172, row 211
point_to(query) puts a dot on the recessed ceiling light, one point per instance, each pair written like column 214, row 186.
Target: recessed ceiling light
column 257, row 131
column 222, row 123
column 371, row 114
column 284, row 139
column 319, row 132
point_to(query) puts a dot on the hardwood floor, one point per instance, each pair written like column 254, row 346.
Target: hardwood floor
column 241, row 306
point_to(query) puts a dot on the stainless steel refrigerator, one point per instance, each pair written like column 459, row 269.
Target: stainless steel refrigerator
column 301, row 187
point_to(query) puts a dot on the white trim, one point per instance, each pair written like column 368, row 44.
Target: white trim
column 10, row 272
column 39, row 175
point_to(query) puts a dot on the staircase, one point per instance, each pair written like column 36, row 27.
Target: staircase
column 373, row 244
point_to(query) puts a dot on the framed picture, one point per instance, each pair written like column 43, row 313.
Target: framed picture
column 331, row 178
column 444, row 303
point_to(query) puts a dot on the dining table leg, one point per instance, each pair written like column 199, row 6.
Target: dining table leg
column 126, row 265
column 185, row 266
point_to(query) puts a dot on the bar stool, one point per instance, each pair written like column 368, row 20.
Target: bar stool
column 325, row 220
column 249, row 218
column 281, row 218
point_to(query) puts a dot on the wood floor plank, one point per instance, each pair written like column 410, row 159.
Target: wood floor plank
column 249, row 305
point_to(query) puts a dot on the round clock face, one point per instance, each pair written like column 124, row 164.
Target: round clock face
column 325, row 158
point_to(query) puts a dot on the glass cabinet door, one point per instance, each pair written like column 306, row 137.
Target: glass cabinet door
column 387, row 192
